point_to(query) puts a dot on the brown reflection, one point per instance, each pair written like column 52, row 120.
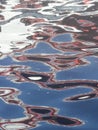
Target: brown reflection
column 47, row 80
column 81, row 29
column 50, row 115
column 34, row 114
column 44, row 21
column 32, row 77
column 20, row 123
column 74, row 84
column 58, row 62
column 9, row 95
column 29, row 21
column 28, row 4
column 32, row 4
column 1, row 17
column 88, row 27
column 87, row 33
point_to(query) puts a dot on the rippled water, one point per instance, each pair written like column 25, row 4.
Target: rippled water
column 48, row 64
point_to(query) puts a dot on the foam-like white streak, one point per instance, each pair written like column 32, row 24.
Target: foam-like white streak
column 12, row 33
column 8, row 14
column 11, row 3
column 35, row 78
column 15, row 126
column 85, row 97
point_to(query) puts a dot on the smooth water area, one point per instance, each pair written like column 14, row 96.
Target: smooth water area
column 48, row 64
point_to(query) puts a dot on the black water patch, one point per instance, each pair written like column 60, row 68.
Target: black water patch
column 40, row 111
column 44, row 78
column 59, row 120
column 38, row 59
column 56, row 86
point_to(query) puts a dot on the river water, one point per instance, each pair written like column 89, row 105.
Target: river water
column 48, row 64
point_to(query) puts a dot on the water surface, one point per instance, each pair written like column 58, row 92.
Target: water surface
column 48, row 64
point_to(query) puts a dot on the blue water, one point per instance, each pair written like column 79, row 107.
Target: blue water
column 48, row 64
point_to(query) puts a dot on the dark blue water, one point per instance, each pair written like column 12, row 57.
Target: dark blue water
column 48, row 64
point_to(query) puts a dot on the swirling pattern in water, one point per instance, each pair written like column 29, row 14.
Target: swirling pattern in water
column 41, row 40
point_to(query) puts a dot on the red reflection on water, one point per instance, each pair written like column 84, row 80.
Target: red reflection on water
column 34, row 114
column 86, row 1
column 46, row 80
column 29, row 21
column 74, row 84
column 2, row 7
column 32, row 76
column 58, row 62
column 28, row 4
column 1, row 17
column 19, row 124
column 50, row 115
column 79, row 24
column 9, row 95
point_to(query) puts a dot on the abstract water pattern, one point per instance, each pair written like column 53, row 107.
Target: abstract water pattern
column 48, row 64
